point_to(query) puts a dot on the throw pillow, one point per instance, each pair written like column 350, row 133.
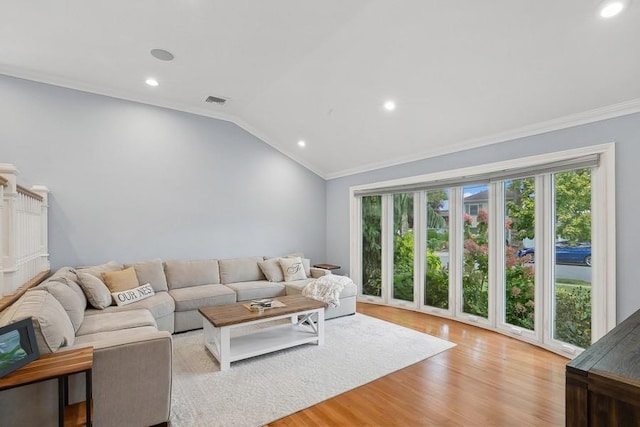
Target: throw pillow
column 70, row 301
column 122, row 280
column 292, row 269
column 272, row 270
column 68, row 275
column 96, row 291
column 306, row 262
column 152, row 272
column 133, row 295
column 51, row 324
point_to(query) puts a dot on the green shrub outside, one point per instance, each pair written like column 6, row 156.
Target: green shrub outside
column 573, row 315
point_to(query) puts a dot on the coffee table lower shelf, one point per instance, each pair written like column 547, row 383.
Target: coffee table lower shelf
column 305, row 327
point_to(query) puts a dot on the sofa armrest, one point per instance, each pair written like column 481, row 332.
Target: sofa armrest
column 131, row 380
column 319, row 272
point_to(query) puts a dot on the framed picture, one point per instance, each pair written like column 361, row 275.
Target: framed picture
column 17, row 346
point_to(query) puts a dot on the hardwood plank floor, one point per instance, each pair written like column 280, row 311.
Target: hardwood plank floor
column 488, row 379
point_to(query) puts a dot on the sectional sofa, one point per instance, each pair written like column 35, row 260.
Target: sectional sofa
column 75, row 307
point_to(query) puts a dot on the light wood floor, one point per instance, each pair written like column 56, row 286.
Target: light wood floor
column 488, row 379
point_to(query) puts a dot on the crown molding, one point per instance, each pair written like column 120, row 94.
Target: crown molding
column 586, row 117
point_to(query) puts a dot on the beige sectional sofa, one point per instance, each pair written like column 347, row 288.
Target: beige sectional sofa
column 132, row 343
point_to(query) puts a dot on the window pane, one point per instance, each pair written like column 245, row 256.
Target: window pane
column 475, row 273
column 437, row 271
column 573, row 257
column 403, row 238
column 372, row 245
column 519, row 304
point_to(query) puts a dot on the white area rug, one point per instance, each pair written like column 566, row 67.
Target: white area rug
column 358, row 349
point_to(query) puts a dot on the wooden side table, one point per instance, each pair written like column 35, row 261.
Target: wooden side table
column 327, row 266
column 56, row 365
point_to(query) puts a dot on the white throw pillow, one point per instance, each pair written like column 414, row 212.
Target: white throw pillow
column 133, row 295
column 292, row 268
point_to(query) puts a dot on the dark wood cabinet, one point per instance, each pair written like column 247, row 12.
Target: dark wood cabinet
column 603, row 383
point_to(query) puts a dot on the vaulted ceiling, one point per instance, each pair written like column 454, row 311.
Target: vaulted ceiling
column 462, row 73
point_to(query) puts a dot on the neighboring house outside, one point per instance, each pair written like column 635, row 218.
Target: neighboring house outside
column 475, row 203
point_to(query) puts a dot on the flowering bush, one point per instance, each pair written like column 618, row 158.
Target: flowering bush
column 519, row 279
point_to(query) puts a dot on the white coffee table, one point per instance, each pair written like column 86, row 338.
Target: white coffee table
column 306, row 326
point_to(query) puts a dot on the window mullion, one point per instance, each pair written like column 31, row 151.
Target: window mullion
column 387, row 248
column 544, row 246
column 420, row 248
column 456, row 245
column 496, row 254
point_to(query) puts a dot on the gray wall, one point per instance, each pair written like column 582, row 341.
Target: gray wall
column 130, row 181
column 625, row 131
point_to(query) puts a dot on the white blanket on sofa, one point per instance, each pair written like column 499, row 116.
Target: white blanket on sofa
column 327, row 289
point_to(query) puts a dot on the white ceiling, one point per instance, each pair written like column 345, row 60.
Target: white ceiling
column 463, row 73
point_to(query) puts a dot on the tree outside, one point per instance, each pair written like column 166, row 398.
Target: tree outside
column 372, row 245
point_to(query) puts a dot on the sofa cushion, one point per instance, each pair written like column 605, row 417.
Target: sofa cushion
column 51, row 324
column 69, row 276
column 202, row 296
column 131, row 296
column 116, row 321
column 65, row 272
column 240, row 270
column 295, row 287
column 292, row 268
column 96, row 291
column 160, row 305
column 152, row 272
column 69, row 300
column 107, row 339
column 181, row 274
column 271, row 269
column 121, row 280
column 96, row 270
column 246, row 291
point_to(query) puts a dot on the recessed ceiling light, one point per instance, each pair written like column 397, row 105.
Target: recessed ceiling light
column 389, row 105
column 301, row 143
column 161, row 54
column 152, row 82
column 610, row 8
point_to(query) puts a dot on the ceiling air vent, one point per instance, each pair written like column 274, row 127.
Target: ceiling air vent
column 215, row 100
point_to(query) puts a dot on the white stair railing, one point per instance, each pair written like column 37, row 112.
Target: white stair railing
column 24, row 252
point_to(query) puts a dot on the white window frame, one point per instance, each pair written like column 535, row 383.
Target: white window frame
column 603, row 291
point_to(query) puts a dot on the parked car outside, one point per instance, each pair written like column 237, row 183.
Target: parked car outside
column 565, row 254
